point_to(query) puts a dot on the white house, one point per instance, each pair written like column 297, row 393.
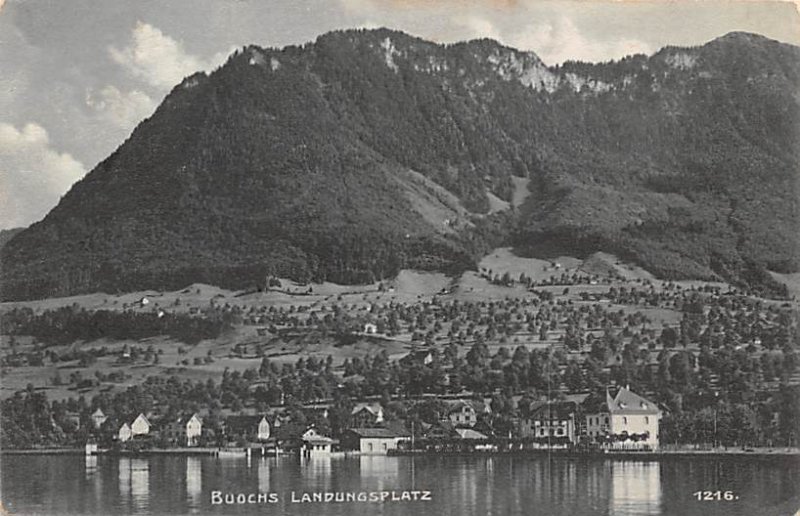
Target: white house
column 98, row 418
column 626, row 421
column 315, row 444
column 373, row 440
column 370, row 328
column 139, row 426
column 194, row 427
column 124, row 434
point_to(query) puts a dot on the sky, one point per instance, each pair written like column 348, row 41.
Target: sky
column 78, row 75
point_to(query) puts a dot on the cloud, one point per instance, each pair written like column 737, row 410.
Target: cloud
column 32, row 174
column 476, row 27
column 159, row 60
column 122, row 109
column 562, row 41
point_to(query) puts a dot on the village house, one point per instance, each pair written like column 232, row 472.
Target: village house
column 551, row 423
column 465, row 413
column 366, row 414
column 247, row 428
column 315, row 444
column 184, row 431
column 373, row 440
column 439, row 431
column 139, row 426
column 626, row 421
column 370, row 329
column 98, row 418
column 417, row 357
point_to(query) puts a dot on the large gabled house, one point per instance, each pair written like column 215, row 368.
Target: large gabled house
column 625, row 420
column 551, row 423
column 138, row 426
column 466, row 412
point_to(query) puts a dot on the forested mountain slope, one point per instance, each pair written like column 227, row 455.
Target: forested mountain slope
column 364, row 152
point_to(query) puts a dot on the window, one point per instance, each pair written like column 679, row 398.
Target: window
column 370, row 446
column 624, row 420
column 646, row 420
column 384, row 446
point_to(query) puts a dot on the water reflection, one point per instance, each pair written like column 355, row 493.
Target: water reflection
column 381, row 471
column 90, row 465
column 497, row 485
column 194, row 480
column 636, row 487
column 124, row 477
column 317, row 469
column 140, row 483
column 263, row 475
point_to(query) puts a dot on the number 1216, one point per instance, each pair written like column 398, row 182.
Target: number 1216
column 712, row 496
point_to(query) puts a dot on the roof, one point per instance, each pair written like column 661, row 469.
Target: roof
column 477, row 406
column 377, row 433
column 628, row 402
column 417, row 355
column 98, row 412
column 320, row 439
column 133, row 419
column 576, row 398
column 553, row 410
column 469, row 433
column 374, row 408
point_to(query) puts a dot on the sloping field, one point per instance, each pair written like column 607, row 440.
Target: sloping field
column 792, row 282
column 502, row 260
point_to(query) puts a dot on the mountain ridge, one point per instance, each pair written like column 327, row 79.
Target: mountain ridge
column 290, row 161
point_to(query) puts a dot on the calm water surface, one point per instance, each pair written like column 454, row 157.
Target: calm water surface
column 459, row 485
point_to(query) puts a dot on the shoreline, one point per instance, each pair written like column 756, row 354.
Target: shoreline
column 618, row 454
column 125, row 453
column 610, row 454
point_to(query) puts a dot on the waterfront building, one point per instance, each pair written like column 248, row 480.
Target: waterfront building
column 373, row 440
column 624, row 421
column 184, row 431
column 248, row 428
column 315, row 444
column 551, row 423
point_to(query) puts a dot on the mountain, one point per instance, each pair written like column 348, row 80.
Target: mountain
column 368, row 151
column 8, row 234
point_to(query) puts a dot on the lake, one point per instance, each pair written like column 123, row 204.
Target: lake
column 458, row 485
